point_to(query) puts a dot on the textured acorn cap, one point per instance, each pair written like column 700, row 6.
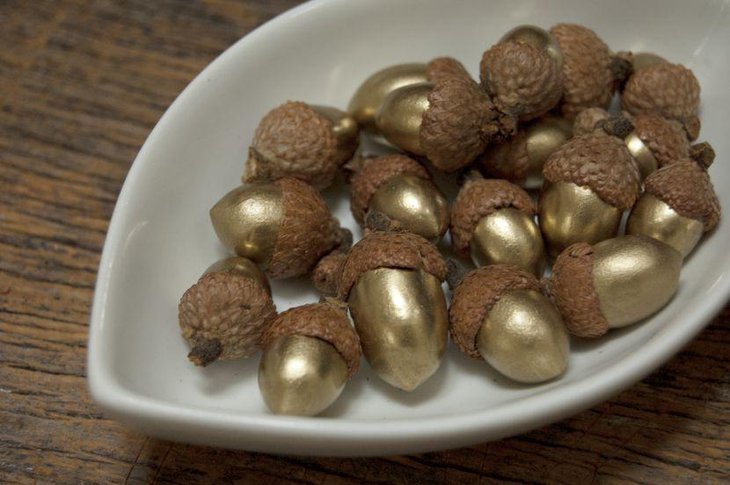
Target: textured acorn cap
column 521, row 79
column 686, row 187
column 458, row 123
column 475, row 296
column 587, row 76
column 326, row 274
column 399, row 250
column 478, row 199
column 666, row 139
column 599, row 162
column 508, row 160
column 222, row 316
column 374, row 173
column 325, row 321
column 585, row 122
column 571, row 288
column 445, row 68
column 294, row 140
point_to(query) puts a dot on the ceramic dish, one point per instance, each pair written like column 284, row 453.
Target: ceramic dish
column 160, row 238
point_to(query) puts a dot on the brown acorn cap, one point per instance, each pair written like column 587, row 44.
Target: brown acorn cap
column 585, row 122
column 686, row 187
column 374, row 173
column 599, row 162
column 666, row 139
column 521, row 79
column 446, row 67
column 587, row 75
column 222, row 316
column 571, row 288
column 508, row 160
column 390, row 250
column 307, row 232
column 326, row 321
column 478, row 199
column 326, row 274
column 294, row 140
column 458, row 123
column 476, row 295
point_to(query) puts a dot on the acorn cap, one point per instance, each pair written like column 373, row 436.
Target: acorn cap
column 666, row 139
column 307, row 232
column 686, row 187
column 508, row 160
column 326, row 274
column 444, row 68
column 599, row 162
column 571, row 288
column 399, row 250
column 326, row 321
column 458, row 123
column 585, row 122
column 521, row 79
column 478, row 199
column 475, row 296
column 587, row 75
column 222, row 316
column 374, row 173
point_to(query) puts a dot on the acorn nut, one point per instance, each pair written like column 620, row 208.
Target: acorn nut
column 614, row 283
column 309, row 354
column 499, row 313
column 392, row 283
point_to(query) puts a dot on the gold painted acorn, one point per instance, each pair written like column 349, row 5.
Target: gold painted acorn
column 285, row 226
column 493, row 221
column 614, row 283
column 499, row 313
column 309, row 354
column 303, row 141
column 392, row 283
column 223, row 314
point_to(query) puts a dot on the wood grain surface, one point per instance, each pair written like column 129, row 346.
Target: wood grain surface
column 82, row 83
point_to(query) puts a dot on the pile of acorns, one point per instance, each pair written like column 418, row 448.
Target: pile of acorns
column 537, row 120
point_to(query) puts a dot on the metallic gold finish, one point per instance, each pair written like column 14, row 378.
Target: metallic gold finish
column 646, row 59
column 300, row 375
column 524, row 338
column 654, row 218
column 344, row 126
column 508, row 236
column 247, row 220
column 642, row 155
column 414, row 202
column 569, row 214
column 240, row 266
column 537, row 37
column 400, row 316
column 369, row 97
column 543, row 138
column 399, row 118
column 634, row 276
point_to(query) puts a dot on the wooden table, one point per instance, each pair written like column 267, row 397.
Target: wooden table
column 82, row 83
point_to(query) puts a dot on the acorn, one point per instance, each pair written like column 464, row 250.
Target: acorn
column 309, row 354
column 392, row 283
column 589, row 182
column 285, row 226
column 499, row 313
column 679, row 204
column 493, row 221
column 325, row 275
column 307, row 142
column 399, row 192
column 223, row 314
column 614, row 283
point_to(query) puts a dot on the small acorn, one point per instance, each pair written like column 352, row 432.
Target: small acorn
column 303, row 141
column 310, row 352
column 223, row 314
column 614, row 283
column 392, row 283
column 679, row 205
column 493, row 221
column 285, row 226
column 401, row 192
column 589, row 182
column 499, row 313
column 325, row 275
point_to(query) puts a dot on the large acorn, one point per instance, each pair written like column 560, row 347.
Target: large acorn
column 310, row 352
column 493, row 221
column 223, row 314
column 499, row 313
column 396, row 191
column 284, row 226
column 614, row 283
column 303, row 141
column 392, row 283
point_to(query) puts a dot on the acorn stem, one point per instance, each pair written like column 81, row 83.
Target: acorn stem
column 377, row 221
column 206, row 352
column 616, row 125
column 703, row 154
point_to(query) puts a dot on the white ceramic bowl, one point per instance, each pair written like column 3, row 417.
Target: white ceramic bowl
column 160, row 238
